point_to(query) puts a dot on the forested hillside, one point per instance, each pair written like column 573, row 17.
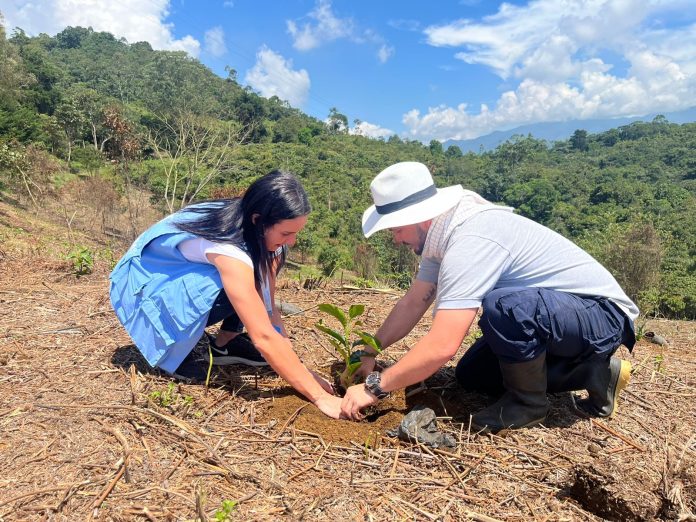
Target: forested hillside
column 85, row 106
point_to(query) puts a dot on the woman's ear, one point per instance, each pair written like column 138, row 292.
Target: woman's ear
column 254, row 218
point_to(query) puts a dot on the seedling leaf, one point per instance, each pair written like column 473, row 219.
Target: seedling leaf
column 335, row 312
column 356, row 310
column 370, row 340
column 333, row 333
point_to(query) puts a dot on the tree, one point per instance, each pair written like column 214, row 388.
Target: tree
column 250, row 111
column 13, row 77
column 517, row 150
column 579, row 141
column 38, row 63
column 534, row 199
column 85, row 106
column 192, row 150
column 435, row 148
column 337, row 122
column 634, row 255
column 73, row 122
column 72, row 37
column 453, row 152
column 231, row 74
column 124, row 148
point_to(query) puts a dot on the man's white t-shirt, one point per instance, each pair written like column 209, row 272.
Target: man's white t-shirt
column 498, row 249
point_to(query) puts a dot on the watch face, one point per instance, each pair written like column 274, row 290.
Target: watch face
column 372, row 383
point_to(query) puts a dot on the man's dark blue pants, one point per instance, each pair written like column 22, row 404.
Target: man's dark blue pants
column 519, row 324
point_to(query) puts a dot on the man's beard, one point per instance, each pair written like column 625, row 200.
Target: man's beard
column 422, row 235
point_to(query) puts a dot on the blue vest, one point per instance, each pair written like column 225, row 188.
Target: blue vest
column 162, row 299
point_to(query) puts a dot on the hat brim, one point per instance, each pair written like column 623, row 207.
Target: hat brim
column 445, row 199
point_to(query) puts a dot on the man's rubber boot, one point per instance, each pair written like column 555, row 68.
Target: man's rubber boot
column 524, row 403
column 603, row 381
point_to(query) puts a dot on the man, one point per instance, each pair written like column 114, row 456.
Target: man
column 552, row 316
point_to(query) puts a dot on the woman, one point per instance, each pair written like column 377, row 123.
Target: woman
column 214, row 261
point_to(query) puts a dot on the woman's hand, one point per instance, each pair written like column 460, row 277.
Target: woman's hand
column 326, row 385
column 330, row 405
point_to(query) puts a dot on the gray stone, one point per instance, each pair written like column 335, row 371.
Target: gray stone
column 420, row 425
column 288, row 308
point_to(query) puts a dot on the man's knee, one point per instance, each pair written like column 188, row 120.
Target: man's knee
column 515, row 323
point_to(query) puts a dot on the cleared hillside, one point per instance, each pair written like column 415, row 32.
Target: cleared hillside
column 87, row 431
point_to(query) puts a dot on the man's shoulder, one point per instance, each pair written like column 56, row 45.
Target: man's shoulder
column 490, row 222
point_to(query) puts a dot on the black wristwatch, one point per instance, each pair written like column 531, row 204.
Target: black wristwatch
column 372, row 383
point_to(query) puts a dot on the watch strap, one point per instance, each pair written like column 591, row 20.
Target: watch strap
column 372, row 384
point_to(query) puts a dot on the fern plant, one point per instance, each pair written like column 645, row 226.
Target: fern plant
column 347, row 338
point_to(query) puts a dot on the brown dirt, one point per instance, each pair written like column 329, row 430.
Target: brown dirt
column 88, row 431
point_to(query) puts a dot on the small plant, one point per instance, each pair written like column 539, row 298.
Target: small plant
column 362, row 282
column 171, row 399
column 659, row 360
column 342, row 340
column 82, row 260
column 225, row 512
column 164, row 398
column 640, row 328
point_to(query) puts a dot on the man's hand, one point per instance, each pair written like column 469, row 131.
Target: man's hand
column 356, row 398
column 326, row 385
column 330, row 406
column 367, row 366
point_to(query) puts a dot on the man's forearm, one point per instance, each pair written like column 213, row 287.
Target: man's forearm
column 422, row 361
column 432, row 351
column 406, row 314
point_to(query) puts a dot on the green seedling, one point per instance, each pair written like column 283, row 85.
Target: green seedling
column 225, row 512
column 163, row 398
column 659, row 359
column 343, row 340
column 82, row 260
column 170, row 398
column 640, row 329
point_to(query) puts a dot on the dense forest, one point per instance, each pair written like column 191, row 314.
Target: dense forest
column 84, row 105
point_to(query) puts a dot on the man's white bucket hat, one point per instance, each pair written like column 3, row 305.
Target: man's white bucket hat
column 405, row 194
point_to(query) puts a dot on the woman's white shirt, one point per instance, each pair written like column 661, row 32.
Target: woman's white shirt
column 196, row 250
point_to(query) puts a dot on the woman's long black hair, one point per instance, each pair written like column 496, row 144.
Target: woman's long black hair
column 274, row 197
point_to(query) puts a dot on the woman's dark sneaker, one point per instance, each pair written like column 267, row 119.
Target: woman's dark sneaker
column 239, row 350
column 194, row 368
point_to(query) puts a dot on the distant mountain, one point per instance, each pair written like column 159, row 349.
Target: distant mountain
column 562, row 130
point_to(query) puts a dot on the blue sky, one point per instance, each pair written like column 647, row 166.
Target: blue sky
column 442, row 70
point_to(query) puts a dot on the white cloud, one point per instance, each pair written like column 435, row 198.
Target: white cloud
column 598, row 95
column 552, row 53
column 272, row 75
column 215, row 41
column 371, row 130
column 133, row 20
column 404, row 24
column 325, row 28
column 385, row 52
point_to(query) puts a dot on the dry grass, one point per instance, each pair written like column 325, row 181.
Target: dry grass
column 87, row 431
